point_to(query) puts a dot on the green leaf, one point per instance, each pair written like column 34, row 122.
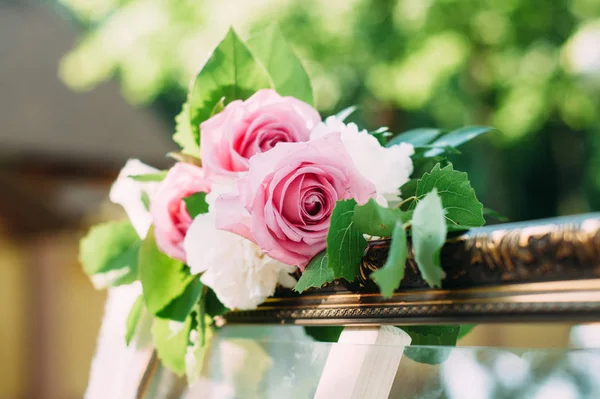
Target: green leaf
column 345, row 113
column 316, row 274
column 170, row 345
column 325, row 334
column 145, row 198
column 430, row 336
column 288, row 75
column 491, row 213
column 213, row 306
column 382, row 129
column 388, row 278
column 382, row 134
column 109, row 254
column 424, row 151
column 409, row 189
column 231, row 72
column 186, row 135
column 186, row 158
column 465, row 329
column 456, row 138
column 463, row 210
column 428, row 237
column 345, row 244
column 424, row 165
column 150, row 177
column 163, row 279
column 134, row 317
column 433, row 335
column 199, row 343
column 415, row 137
column 196, row 204
column 219, row 107
column 182, row 306
column 376, row 220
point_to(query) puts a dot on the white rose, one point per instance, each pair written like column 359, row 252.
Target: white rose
column 388, row 168
column 219, row 187
column 241, row 275
column 128, row 193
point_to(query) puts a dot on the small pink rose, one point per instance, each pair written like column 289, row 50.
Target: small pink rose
column 245, row 128
column 169, row 214
column 285, row 201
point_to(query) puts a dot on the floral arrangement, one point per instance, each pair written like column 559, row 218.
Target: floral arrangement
column 264, row 193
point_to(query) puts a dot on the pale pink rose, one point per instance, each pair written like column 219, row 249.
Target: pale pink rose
column 285, row 201
column 169, row 214
column 245, row 128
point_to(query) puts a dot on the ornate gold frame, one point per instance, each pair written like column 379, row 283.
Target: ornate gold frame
column 546, row 270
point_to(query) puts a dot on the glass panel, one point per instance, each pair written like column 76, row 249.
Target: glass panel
column 284, row 363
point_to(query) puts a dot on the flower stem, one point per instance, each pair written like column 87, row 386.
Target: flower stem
column 411, row 198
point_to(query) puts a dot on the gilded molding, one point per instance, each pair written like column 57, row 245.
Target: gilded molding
column 534, row 271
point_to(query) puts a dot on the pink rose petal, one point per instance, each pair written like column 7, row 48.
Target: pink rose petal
column 286, row 200
column 246, row 128
column 167, row 208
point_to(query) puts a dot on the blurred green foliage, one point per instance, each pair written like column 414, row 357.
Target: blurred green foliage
column 531, row 68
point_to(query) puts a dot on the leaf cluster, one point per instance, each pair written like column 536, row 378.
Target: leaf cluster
column 439, row 201
column 235, row 71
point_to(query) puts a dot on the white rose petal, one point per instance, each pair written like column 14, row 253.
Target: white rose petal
column 220, row 186
column 387, row 168
column 285, row 279
column 128, row 193
column 241, row 275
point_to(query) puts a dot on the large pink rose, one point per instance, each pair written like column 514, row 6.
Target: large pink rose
column 169, row 214
column 285, row 201
column 245, row 128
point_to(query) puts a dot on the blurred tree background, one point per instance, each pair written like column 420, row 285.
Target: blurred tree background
column 531, row 68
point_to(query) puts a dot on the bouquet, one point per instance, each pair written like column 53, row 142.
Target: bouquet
column 266, row 193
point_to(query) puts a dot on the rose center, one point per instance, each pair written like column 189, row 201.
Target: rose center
column 313, row 204
column 180, row 215
column 270, row 139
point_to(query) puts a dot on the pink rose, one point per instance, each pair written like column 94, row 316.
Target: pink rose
column 245, row 128
column 169, row 214
column 286, row 199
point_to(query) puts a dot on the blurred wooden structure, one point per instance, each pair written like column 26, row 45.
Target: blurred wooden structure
column 59, row 152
